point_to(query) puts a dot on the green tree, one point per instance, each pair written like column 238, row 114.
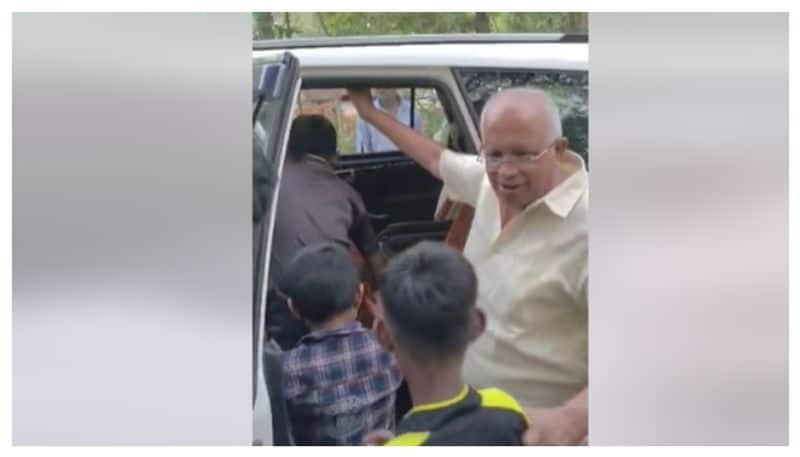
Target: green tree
column 287, row 25
column 263, row 24
column 273, row 25
column 482, row 24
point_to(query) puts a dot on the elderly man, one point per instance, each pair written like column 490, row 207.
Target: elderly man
column 528, row 243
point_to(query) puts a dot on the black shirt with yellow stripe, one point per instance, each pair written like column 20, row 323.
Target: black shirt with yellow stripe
column 473, row 417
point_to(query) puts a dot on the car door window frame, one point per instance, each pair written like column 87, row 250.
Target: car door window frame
column 275, row 146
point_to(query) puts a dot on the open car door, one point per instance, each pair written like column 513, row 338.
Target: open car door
column 276, row 82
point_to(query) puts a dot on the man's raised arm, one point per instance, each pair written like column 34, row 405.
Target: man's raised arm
column 423, row 150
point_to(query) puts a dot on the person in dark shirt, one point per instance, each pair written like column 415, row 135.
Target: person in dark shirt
column 338, row 383
column 427, row 317
column 314, row 206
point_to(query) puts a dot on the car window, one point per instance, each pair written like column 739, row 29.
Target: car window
column 569, row 90
column 265, row 116
column 417, row 107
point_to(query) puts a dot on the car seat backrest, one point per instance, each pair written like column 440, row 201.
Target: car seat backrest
column 461, row 215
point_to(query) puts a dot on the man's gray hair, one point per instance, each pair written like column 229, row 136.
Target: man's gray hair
column 529, row 92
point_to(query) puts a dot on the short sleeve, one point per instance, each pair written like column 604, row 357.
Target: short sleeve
column 462, row 175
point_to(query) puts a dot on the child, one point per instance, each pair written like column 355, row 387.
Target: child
column 339, row 383
column 427, row 317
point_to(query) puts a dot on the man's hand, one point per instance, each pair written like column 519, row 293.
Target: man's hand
column 361, row 99
column 378, row 437
column 422, row 149
column 564, row 425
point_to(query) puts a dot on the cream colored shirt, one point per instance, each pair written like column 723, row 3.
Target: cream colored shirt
column 533, row 277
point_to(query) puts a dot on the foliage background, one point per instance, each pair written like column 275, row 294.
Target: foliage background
column 298, row 25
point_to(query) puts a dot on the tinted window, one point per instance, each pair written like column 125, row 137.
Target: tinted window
column 569, row 90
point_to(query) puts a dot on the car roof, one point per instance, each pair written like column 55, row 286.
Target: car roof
column 449, row 52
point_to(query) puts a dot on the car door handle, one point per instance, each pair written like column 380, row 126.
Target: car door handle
column 379, row 217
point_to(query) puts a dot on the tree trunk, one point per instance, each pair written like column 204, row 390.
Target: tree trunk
column 264, row 26
column 482, row 23
column 583, row 23
column 322, row 25
column 576, row 23
column 288, row 23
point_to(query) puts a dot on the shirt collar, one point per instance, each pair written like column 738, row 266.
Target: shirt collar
column 439, row 405
column 564, row 196
column 316, row 160
column 348, row 329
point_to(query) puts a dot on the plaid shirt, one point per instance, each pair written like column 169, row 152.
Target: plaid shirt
column 339, row 385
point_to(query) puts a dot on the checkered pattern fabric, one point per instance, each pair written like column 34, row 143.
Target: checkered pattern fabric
column 339, row 385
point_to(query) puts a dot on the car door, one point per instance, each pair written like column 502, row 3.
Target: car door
column 276, row 81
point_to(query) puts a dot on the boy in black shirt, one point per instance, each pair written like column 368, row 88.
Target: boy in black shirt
column 427, row 317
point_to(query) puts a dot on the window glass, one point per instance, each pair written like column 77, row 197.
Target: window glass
column 569, row 90
column 419, row 108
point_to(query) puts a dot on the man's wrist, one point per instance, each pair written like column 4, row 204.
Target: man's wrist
column 367, row 112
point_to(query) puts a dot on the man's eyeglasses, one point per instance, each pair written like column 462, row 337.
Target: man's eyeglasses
column 517, row 159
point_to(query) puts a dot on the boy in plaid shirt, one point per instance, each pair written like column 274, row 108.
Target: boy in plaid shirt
column 339, row 383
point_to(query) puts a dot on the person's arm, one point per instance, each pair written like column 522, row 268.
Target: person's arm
column 423, row 150
column 567, row 424
column 362, row 234
column 375, row 264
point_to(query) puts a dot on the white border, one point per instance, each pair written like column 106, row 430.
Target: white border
column 794, row 227
column 5, row 229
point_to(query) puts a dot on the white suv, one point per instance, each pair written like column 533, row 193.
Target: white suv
column 444, row 81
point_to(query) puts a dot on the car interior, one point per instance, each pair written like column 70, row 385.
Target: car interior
column 401, row 197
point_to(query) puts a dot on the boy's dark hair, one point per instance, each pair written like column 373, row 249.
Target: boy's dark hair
column 321, row 281
column 427, row 294
column 312, row 134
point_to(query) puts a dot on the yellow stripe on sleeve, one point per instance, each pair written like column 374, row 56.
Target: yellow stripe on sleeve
column 496, row 398
column 409, row 439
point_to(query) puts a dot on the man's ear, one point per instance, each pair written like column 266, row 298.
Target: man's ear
column 477, row 323
column 560, row 146
column 382, row 333
column 293, row 310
